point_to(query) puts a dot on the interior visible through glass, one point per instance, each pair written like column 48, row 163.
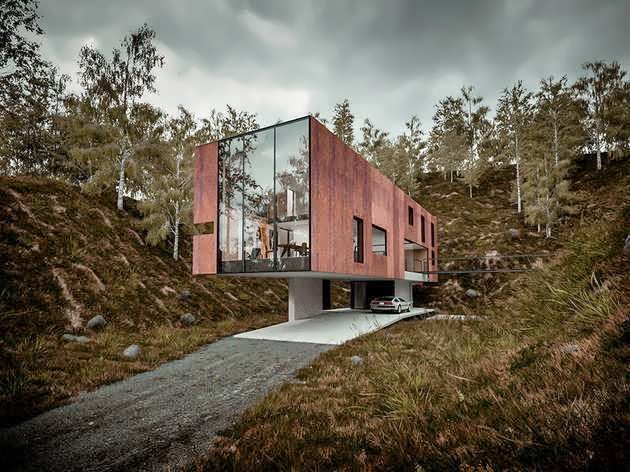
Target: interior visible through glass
column 264, row 207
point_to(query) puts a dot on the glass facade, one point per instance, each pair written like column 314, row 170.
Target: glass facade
column 264, row 200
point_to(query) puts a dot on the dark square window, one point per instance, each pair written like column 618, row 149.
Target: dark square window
column 432, row 234
column 410, row 212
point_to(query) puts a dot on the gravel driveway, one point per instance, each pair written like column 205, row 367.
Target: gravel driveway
column 156, row 419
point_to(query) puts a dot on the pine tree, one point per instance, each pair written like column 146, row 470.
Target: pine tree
column 343, row 122
column 598, row 89
column 114, row 86
column 168, row 202
column 514, row 113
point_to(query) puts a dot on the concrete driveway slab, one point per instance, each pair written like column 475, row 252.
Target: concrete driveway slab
column 331, row 327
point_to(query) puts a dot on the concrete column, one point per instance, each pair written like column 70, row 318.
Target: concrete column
column 359, row 294
column 305, row 298
column 402, row 289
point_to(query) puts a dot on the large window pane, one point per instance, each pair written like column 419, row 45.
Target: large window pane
column 379, row 241
column 258, row 208
column 292, row 196
column 231, row 205
column 264, row 206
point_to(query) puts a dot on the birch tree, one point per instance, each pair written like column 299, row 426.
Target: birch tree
column 168, row 203
column 446, row 149
column 559, row 111
column 598, row 89
column 477, row 129
column 114, row 86
column 545, row 186
column 374, row 142
column 514, row 113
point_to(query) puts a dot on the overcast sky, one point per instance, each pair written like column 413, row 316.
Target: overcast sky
column 392, row 59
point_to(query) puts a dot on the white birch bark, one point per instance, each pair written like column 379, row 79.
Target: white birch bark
column 121, row 183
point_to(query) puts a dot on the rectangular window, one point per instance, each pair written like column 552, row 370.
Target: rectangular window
column 379, row 240
column 264, row 205
column 432, row 234
column 357, row 239
column 422, row 228
column 433, row 258
column 410, row 211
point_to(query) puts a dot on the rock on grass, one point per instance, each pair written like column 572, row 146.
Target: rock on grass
column 132, row 352
column 71, row 338
column 98, row 322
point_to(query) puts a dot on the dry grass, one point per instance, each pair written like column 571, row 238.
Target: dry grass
column 541, row 382
column 64, row 258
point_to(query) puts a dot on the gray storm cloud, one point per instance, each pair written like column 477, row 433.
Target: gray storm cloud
column 391, row 59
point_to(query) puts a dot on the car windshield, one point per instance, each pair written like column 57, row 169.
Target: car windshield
column 384, row 299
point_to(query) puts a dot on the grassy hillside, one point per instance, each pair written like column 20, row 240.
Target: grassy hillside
column 538, row 380
column 66, row 257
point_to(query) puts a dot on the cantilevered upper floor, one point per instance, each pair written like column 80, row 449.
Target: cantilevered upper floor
column 292, row 200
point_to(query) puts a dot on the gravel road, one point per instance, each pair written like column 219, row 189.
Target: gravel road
column 158, row 419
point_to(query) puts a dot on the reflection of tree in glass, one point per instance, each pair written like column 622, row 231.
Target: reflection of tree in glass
column 296, row 177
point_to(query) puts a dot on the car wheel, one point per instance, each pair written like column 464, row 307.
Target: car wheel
column 398, row 310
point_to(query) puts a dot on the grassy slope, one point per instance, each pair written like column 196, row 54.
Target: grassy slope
column 51, row 237
column 540, row 382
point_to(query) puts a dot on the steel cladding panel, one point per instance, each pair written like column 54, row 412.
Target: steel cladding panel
column 344, row 185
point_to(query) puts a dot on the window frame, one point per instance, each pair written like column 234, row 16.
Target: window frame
column 359, row 255
column 423, row 228
column 384, row 253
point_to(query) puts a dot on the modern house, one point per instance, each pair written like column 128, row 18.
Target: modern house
column 293, row 201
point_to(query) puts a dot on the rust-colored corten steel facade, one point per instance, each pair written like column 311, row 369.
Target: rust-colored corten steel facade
column 293, row 200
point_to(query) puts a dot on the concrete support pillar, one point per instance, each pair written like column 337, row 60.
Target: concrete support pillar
column 359, row 295
column 305, row 298
column 402, row 289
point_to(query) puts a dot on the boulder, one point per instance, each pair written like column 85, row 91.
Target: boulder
column 472, row 293
column 132, row 352
column 569, row 348
column 514, row 233
column 356, row 360
column 71, row 338
column 185, row 295
column 97, row 322
column 188, row 319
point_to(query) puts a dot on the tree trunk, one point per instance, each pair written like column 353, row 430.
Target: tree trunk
column 470, row 190
column 547, row 230
column 519, row 204
column 555, row 142
column 176, row 238
column 599, row 159
column 599, row 151
column 451, row 176
column 121, row 184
